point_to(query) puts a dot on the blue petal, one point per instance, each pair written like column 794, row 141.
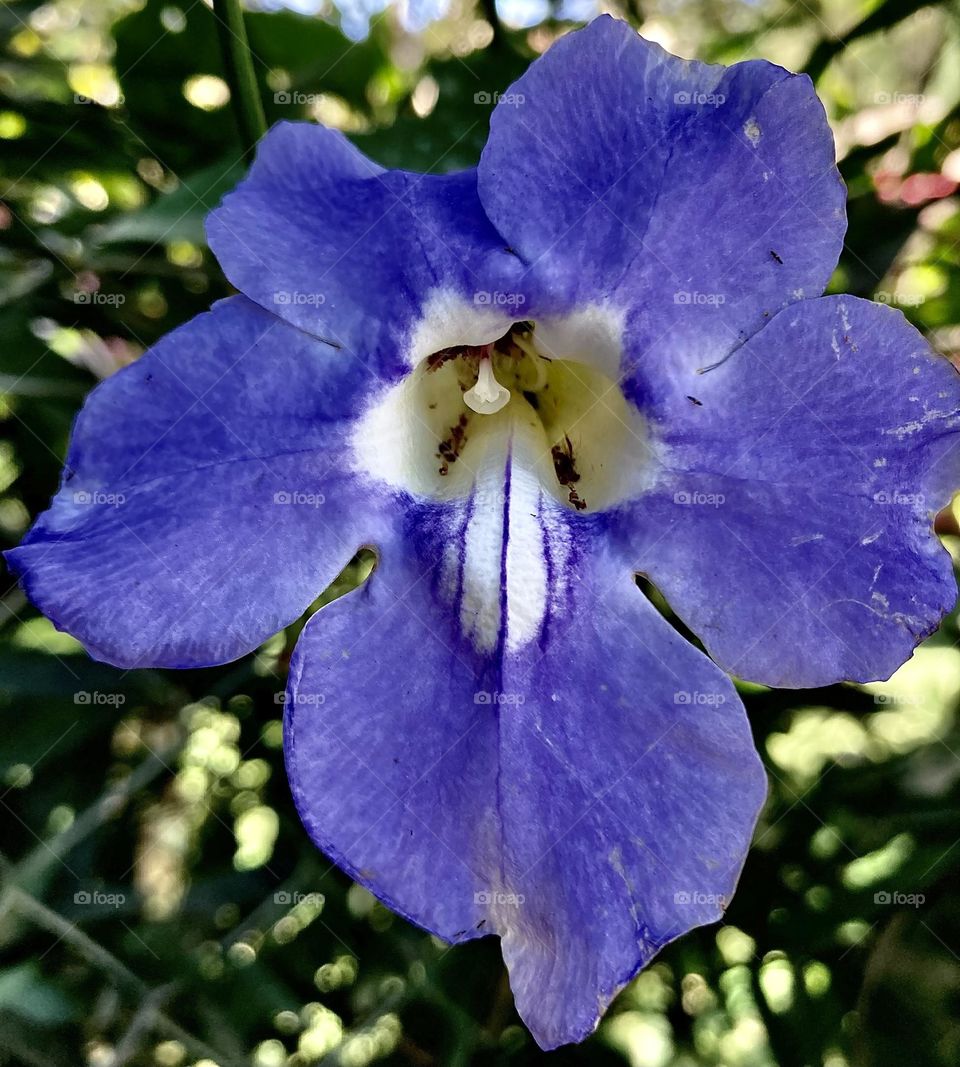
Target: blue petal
column 588, row 796
column 348, row 251
column 792, row 528
column 699, row 197
column 204, row 506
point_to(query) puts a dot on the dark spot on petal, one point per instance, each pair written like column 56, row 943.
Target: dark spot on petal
column 565, row 467
column 564, row 463
column 437, row 360
column 452, row 445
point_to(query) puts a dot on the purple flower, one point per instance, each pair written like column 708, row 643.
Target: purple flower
column 602, row 352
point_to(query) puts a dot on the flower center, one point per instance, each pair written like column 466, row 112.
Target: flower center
column 461, row 409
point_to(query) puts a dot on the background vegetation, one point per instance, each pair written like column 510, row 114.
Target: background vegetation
column 161, row 904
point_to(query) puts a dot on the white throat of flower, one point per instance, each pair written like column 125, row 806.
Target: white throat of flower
column 428, row 435
column 515, row 444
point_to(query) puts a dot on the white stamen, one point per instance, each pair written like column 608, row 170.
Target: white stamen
column 488, row 396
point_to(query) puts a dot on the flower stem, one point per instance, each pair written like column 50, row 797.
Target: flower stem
column 29, row 907
column 238, row 64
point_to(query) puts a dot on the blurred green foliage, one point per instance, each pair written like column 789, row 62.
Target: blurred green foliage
column 161, row 904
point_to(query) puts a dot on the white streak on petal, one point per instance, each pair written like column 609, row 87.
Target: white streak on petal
column 526, row 563
column 513, row 547
column 483, row 554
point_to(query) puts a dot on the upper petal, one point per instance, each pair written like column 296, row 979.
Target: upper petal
column 623, row 174
column 205, row 502
column 353, row 253
column 792, row 528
